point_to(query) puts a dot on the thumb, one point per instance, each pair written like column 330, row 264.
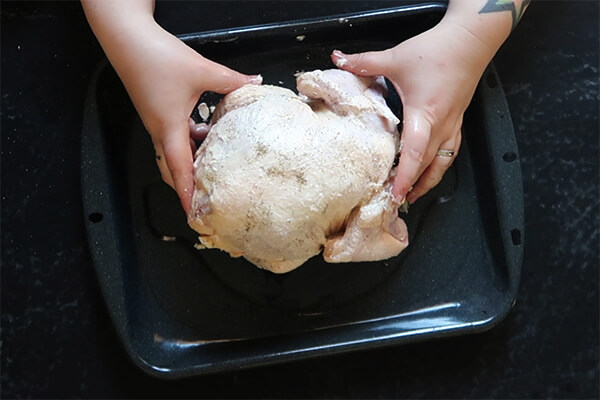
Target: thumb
column 366, row 64
column 180, row 162
column 220, row 79
column 416, row 134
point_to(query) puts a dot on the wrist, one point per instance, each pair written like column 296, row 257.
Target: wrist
column 472, row 47
column 130, row 41
column 484, row 31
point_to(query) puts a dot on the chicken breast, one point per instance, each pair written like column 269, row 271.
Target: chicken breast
column 281, row 177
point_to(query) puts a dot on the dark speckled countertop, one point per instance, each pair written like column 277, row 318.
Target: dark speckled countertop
column 57, row 338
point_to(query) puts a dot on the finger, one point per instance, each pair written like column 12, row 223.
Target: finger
column 436, row 170
column 415, row 139
column 179, row 160
column 198, row 131
column 193, row 146
column 224, row 80
column 162, row 165
column 365, row 64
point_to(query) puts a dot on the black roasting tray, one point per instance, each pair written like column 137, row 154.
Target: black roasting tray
column 181, row 312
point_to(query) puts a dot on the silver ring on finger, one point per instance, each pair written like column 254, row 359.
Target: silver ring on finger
column 445, row 153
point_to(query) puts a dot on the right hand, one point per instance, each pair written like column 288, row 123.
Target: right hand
column 165, row 78
column 435, row 74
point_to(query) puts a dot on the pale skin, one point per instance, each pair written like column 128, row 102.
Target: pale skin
column 435, row 74
column 164, row 78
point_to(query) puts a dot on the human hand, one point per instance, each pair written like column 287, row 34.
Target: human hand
column 165, row 79
column 435, row 74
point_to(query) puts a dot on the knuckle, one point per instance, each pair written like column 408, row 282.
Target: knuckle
column 414, row 154
column 429, row 118
column 424, row 185
column 403, row 185
column 357, row 59
column 365, row 61
column 432, row 180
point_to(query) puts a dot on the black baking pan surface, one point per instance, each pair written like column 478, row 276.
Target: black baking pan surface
column 181, row 311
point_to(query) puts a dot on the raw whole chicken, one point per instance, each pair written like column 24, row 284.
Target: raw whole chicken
column 281, row 176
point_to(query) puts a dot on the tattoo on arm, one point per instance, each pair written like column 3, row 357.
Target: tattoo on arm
column 492, row 6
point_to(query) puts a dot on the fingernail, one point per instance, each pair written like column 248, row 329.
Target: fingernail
column 256, row 79
column 341, row 59
column 398, row 199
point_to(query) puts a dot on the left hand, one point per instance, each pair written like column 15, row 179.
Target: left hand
column 165, row 78
column 435, row 74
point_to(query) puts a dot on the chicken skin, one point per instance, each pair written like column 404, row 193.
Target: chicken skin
column 282, row 177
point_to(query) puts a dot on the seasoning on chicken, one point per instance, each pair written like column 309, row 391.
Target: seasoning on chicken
column 282, row 177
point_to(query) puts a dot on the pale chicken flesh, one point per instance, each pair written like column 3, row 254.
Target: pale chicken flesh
column 281, row 177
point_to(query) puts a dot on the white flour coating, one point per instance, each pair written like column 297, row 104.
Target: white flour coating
column 282, row 176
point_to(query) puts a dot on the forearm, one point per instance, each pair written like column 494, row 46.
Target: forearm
column 114, row 21
column 123, row 27
column 136, row 46
column 486, row 23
